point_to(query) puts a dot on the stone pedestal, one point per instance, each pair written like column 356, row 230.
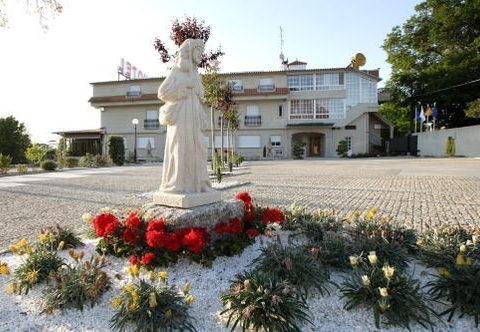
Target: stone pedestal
column 200, row 216
column 187, row 200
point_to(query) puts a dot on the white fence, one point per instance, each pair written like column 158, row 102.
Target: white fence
column 433, row 143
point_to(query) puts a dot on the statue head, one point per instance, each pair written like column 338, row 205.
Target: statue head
column 190, row 53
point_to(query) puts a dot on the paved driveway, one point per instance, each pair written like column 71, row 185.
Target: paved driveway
column 420, row 192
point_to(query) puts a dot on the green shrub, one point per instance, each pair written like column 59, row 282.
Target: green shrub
column 54, row 235
column 257, row 302
column 458, row 281
column 298, row 265
column 116, row 150
column 86, row 160
column 36, row 153
column 342, row 148
column 22, row 168
column 100, row 161
column 49, row 165
column 152, row 305
column 298, row 149
column 394, row 298
column 41, row 261
column 76, row 285
column 71, row 162
column 5, row 161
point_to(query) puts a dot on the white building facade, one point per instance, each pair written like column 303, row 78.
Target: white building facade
column 319, row 107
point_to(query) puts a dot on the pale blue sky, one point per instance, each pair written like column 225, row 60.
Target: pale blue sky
column 46, row 75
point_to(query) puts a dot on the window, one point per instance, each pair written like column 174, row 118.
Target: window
column 348, row 139
column 300, row 82
column 275, row 140
column 252, row 116
column 280, row 110
column 266, row 84
column 350, row 127
column 151, row 122
column 134, row 91
column 306, row 109
column 248, row 141
column 237, row 85
column 360, row 89
column 142, row 142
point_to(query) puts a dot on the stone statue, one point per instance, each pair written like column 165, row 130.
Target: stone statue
column 185, row 158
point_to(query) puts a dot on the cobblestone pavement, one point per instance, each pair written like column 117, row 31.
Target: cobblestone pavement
column 417, row 191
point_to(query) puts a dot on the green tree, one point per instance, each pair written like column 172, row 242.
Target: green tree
column 398, row 115
column 36, row 153
column 473, row 109
column 435, row 58
column 45, row 9
column 116, row 150
column 14, row 139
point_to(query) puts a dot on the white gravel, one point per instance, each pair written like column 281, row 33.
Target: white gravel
column 23, row 313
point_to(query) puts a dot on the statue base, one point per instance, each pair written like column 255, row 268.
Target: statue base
column 187, row 200
column 202, row 216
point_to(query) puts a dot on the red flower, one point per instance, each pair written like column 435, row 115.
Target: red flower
column 132, row 221
column 156, row 225
column 252, row 232
column 148, row 257
column 101, row 221
column 272, row 215
column 236, row 226
column 111, row 227
column 244, row 196
column 219, row 228
column 155, row 239
column 133, row 260
column 194, row 239
column 130, row 236
column 172, row 241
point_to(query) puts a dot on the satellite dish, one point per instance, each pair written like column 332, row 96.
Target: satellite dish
column 358, row 60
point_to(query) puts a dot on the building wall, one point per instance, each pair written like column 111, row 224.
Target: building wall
column 433, row 143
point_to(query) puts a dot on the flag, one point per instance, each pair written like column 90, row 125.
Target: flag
column 417, row 112
column 421, row 116
column 435, row 110
column 428, row 110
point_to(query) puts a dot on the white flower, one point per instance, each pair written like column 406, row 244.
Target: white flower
column 372, row 258
column 365, row 280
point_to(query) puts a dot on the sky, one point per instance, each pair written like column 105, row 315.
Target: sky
column 46, row 75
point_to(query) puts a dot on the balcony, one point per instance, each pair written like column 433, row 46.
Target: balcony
column 266, row 87
column 253, row 120
column 151, row 124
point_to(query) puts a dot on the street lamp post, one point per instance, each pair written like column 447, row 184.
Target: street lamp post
column 135, row 123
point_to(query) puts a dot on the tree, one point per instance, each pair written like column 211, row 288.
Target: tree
column 183, row 30
column 218, row 96
column 116, row 150
column 473, row 110
column 399, row 116
column 36, row 153
column 45, row 9
column 435, row 58
column 14, row 139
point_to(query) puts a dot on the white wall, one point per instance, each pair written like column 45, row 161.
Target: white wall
column 467, row 141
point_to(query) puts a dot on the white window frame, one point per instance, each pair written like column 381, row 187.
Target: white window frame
column 275, row 141
column 142, row 142
column 248, row 141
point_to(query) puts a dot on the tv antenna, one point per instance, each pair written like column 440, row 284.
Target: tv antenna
column 281, row 56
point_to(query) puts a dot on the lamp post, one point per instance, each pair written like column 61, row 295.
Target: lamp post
column 135, row 123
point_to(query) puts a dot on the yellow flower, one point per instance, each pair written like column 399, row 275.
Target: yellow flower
column 383, row 291
column 87, row 217
column 133, row 271
column 151, row 275
column 354, row 260
column 388, row 271
column 61, row 245
column 371, row 213
column 460, row 260
column 463, row 248
column 32, row 276
column 186, row 288
column 162, row 275
column 365, row 280
column 468, row 261
column 190, row 298
column 356, row 214
column 4, row 269
column 22, row 243
column 420, row 242
column 43, row 237
column 133, row 307
column 443, row 272
column 372, row 258
column 11, row 288
column 152, row 300
column 116, row 302
column 168, row 313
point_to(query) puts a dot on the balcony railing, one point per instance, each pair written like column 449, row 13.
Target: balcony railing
column 266, row 87
column 253, row 120
column 151, row 124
